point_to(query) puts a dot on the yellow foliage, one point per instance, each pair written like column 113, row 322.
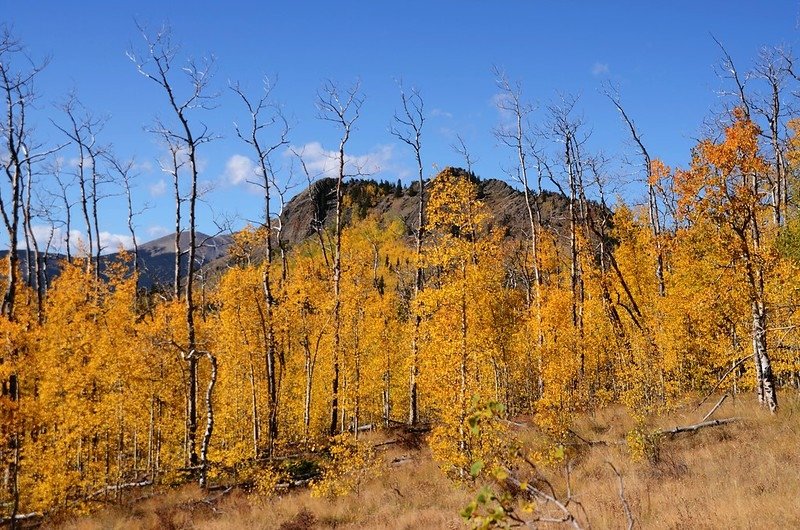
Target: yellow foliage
column 350, row 464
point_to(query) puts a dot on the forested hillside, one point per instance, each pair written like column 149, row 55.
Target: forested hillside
column 454, row 306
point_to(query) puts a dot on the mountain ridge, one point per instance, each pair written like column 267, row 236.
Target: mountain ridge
column 314, row 208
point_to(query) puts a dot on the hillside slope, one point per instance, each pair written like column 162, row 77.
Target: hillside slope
column 507, row 204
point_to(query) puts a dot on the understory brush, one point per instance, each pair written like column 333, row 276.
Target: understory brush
column 611, row 468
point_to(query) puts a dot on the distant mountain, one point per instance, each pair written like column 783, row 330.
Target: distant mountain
column 156, row 258
column 315, row 206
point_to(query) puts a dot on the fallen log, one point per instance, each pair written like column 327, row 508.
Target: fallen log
column 21, row 517
column 388, row 442
column 120, row 487
column 697, row 426
column 293, row 484
column 715, row 407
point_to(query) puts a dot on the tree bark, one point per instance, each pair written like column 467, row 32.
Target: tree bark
column 408, row 129
column 341, row 110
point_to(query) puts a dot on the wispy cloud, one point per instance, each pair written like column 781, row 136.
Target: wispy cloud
column 55, row 238
column 439, row 113
column 110, row 242
column 146, row 166
column 241, row 171
column 599, row 69
column 76, row 161
column 503, row 103
column 156, row 231
column 324, row 163
column 158, row 189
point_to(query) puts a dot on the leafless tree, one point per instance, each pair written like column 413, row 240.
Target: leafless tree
column 266, row 117
column 727, row 70
column 598, row 222
column 772, row 68
column 460, row 147
column 57, row 170
column 125, row 173
column 33, row 255
column 282, row 190
column 407, row 127
column 82, row 130
column 341, row 108
column 156, row 65
column 173, row 166
column 17, row 75
column 31, row 258
column 654, row 215
column 515, row 133
column 318, row 222
column 51, row 243
column 567, row 132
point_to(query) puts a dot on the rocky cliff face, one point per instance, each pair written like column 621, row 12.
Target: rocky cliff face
column 316, row 205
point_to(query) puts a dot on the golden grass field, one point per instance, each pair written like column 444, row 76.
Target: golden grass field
column 740, row 475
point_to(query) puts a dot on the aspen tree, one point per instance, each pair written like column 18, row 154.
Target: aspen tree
column 516, row 136
column 342, row 109
column 160, row 57
column 17, row 76
column 651, row 177
column 258, row 124
column 82, row 131
column 16, row 88
column 772, row 69
column 725, row 186
column 124, row 170
column 567, row 134
column 407, row 127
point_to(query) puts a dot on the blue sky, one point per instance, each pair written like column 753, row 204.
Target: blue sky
column 660, row 54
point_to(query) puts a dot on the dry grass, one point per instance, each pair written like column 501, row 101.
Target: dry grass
column 743, row 475
column 409, row 495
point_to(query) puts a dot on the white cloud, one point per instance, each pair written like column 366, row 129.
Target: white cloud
column 323, row 163
column 503, row 103
column 501, row 100
column 53, row 239
column 114, row 242
column 145, row 166
column 56, row 237
column 239, row 169
column 75, row 162
column 158, row 189
column 156, row 231
column 437, row 113
column 599, row 68
column 43, row 234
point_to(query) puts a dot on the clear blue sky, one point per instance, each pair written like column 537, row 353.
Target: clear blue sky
column 660, row 54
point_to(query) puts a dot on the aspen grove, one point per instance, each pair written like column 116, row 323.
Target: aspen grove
column 376, row 320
